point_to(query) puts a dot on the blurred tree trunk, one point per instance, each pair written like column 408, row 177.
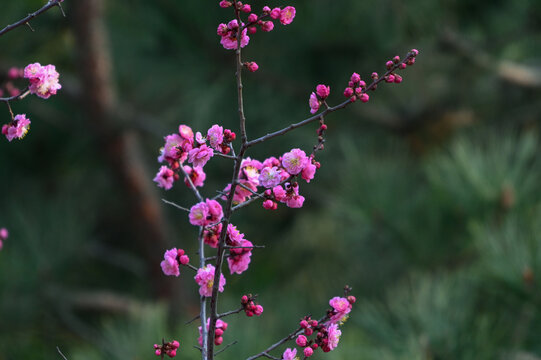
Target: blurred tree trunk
column 119, row 145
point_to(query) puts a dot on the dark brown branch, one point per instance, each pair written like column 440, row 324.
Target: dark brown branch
column 24, row 21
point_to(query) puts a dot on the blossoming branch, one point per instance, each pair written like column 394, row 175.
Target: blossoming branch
column 272, row 181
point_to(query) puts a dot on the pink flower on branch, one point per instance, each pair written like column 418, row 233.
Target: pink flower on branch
column 294, row 161
column 289, row 354
column 287, row 15
column 165, row 178
column 206, row 213
column 43, row 80
column 18, row 128
column 205, row 279
column 199, row 156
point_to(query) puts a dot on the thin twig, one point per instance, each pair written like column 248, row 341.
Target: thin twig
column 192, row 186
column 192, row 320
column 245, row 247
column 175, row 205
column 21, row 96
column 219, row 316
column 60, row 352
column 224, row 155
column 227, row 346
column 50, row 4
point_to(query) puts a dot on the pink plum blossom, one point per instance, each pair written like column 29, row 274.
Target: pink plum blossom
column 341, row 307
column 323, row 91
column 169, row 264
column 221, row 326
column 309, row 170
column 18, row 128
column 211, row 235
column 229, row 40
column 289, row 354
column 206, row 213
column 275, row 13
column 314, row 103
column 333, row 336
column 205, row 279
column 200, row 155
column 267, row 26
column 196, row 174
column 294, row 161
column 239, row 258
column 43, row 80
column 287, row 15
column 165, row 178
column 215, row 136
column 270, row 177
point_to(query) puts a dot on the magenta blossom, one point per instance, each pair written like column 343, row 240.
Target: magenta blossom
column 314, row 103
column 294, row 161
column 196, row 174
column 165, row 178
column 206, row 213
column 200, row 155
column 239, row 258
column 270, row 177
column 18, row 128
column 341, row 307
column 169, row 264
column 323, row 91
column 43, row 80
column 289, row 354
column 215, row 136
column 287, row 15
column 333, row 337
column 309, row 170
column 229, row 40
column 205, row 279
column 221, row 326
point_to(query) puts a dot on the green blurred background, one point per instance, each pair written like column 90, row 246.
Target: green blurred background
column 428, row 201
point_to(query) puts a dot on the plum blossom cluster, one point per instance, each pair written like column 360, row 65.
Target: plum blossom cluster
column 357, row 88
column 231, row 31
column 221, row 327
column 278, row 176
column 323, row 335
column 183, row 146
column 172, row 259
column 249, row 306
column 17, row 128
column 168, row 348
column 43, row 80
column 240, row 249
column 4, row 234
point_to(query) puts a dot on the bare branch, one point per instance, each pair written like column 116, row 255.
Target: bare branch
column 60, row 352
column 25, row 21
column 194, row 189
column 227, row 346
column 175, row 205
